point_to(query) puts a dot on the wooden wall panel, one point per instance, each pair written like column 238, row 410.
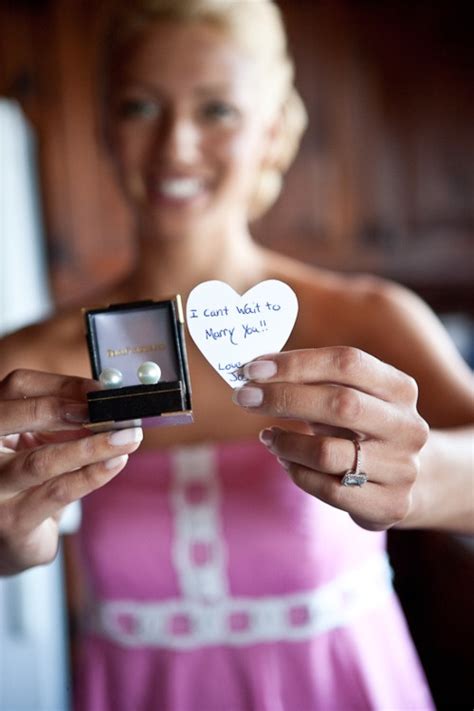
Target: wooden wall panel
column 54, row 79
column 393, row 157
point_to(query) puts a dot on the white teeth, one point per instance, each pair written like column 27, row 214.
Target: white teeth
column 180, row 187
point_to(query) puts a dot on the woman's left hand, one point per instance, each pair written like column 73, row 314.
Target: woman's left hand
column 343, row 394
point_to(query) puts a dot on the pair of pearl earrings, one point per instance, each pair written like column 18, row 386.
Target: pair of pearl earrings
column 148, row 373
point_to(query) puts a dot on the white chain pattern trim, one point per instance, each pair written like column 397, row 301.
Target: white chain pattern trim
column 197, row 524
column 187, row 624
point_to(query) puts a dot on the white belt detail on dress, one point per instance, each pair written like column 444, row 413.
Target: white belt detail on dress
column 195, row 501
column 188, row 624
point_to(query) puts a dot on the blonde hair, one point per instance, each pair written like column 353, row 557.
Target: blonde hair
column 258, row 27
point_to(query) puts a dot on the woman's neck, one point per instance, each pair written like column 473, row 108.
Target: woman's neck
column 176, row 266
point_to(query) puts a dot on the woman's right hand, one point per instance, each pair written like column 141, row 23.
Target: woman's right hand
column 48, row 460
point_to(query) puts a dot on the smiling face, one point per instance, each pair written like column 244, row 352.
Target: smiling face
column 189, row 126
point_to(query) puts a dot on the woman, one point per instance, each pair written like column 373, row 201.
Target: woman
column 210, row 580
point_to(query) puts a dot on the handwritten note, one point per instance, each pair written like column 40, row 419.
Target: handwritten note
column 230, row 330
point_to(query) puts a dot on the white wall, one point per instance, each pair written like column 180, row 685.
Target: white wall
column 24, row 293
column 33, row 649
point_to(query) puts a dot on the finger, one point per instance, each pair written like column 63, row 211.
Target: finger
column 335, row 456
column 37, row 505
column 24, row 383
column 331, row 455
column 10, row 443
column 325, row 430
column 30, row 468
column 342, row 365
column 29, row 440
column 372, row 506
column 36, row 414
column 36, row 439
column 334, row 405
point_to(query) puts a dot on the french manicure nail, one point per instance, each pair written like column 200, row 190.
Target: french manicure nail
column 266, row 437
column 284, row 463
column 116, row 462
column 260, row 369
column 76, row 413
column 248, row 396
column 131, row 435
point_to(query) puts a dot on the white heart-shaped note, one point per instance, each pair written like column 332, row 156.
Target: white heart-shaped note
column 231, row 330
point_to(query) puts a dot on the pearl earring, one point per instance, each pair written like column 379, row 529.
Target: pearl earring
column 111, row 378
column 149, row 373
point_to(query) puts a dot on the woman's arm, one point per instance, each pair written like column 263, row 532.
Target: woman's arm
column 443, row 494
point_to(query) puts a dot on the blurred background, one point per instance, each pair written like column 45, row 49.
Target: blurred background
column 384, row 183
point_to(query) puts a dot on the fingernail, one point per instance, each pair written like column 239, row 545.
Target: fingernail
column 77, row 413
column 260, row 369
column 266, row 437
column 119, row 438
column 89, row 386
column 248, row 396
column 284, row 463
column 116, row 462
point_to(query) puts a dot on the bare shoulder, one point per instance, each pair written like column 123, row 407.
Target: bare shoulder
column 54, row 345
column 360, row 309
column 345, row 307
column 388, row 321
column 57, row 344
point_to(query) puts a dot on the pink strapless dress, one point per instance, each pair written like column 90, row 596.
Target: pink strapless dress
column 215, row 584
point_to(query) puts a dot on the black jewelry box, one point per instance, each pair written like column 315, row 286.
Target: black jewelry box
column 123, row 337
